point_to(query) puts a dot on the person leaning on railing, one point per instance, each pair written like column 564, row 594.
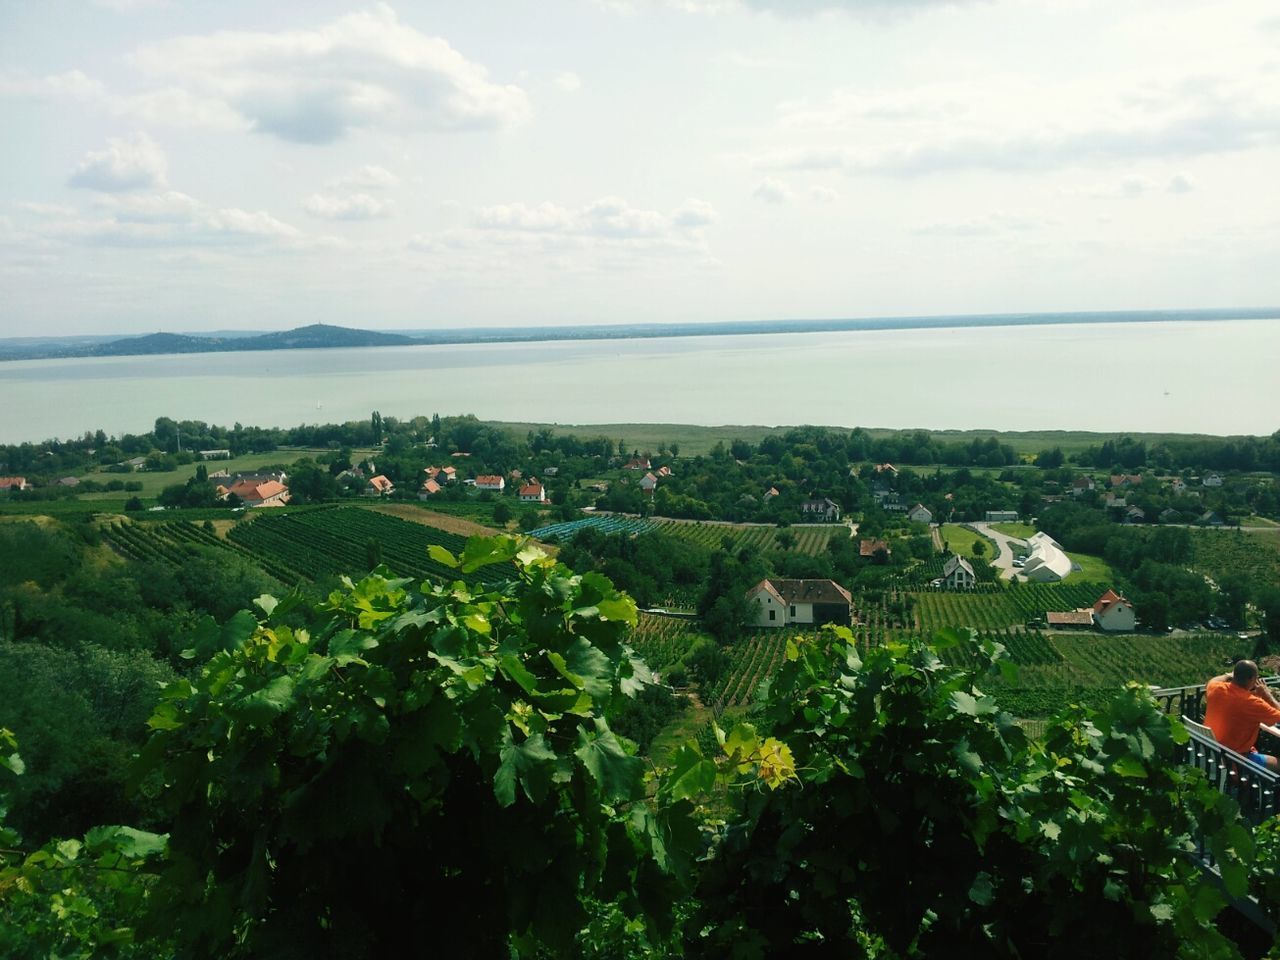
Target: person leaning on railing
column 1235, row 704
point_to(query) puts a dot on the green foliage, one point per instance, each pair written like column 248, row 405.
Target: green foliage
column 925, row 805
column 447, row 751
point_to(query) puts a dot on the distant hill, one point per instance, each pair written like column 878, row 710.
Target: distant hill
column 314, row 337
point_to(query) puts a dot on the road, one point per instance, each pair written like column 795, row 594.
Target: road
column 1003, row 560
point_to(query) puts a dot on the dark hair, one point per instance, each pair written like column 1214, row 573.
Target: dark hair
column 1245, row 672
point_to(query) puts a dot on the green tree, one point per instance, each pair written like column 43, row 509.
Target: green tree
column 979, row 547
column 501, row 513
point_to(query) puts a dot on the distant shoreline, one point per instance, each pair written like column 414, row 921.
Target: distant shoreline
column 320, row 336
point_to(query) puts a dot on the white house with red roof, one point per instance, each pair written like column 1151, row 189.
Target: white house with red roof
column 271, row 493
column 533, row 492
column 780, row 603
column 491, row 481
column 637, row 463
column 379, row 486
column 429, row 489
column 1113, row 612
column 649, row 483
column 13, row 483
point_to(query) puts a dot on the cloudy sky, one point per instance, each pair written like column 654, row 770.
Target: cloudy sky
column 185, row 165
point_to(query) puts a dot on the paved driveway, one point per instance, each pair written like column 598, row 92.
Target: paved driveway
column 1003, row 560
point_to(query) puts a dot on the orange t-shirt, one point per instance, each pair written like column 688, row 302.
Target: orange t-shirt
column 1233, row 714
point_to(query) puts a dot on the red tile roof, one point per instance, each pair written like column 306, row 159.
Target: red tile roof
column 431, row 487
column 806, row 591
column 1106, row 600
column 531, row 489
column 380, row 483
column 489, row 480
column 7, row 482
column 1069, row 618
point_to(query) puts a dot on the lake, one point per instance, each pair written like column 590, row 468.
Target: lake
column 1216, row 377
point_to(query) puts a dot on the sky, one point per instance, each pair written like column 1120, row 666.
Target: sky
column 192, row 166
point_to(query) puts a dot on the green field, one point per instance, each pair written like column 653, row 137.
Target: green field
column 155, row 481
column 811, row 540
column 959, row 540
column 1255, row 553
column 1092, row 569
column 330, row 542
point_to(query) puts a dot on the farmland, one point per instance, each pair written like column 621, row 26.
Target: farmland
column 811, row 540
column 324, row 543
column 1219, row 552
column 663, row 641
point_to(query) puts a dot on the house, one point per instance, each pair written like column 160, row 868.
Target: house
column 516, row 475
column 869, row 548
column 1111, row 500
column 378, row 486
column 1135, row 515
column 663, row 472
column 637, row 463
column 1210, row 519
column 1212, row 480
column 533, row 492
column 920, row 514
column 824, row 509
column 771, row 493
column 1081, row 485
column 1178, row 486
column 215, row 454
column 429, row 489
column 1046, row 563
column 490, row 482
column 957, row 574
column 1113, row 612
column 433, row 473
column 1125, row 479
column 780, row 603
column 551, row 471
column 135, row 463
column 268, row 493
column 13, row 483
column 648, row 483
column 69, row 482
column 1169, row 515
column 223, row 474
column 888, row 468
column 1002, row 516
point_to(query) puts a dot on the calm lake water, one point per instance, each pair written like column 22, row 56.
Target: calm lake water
column 1187, row 377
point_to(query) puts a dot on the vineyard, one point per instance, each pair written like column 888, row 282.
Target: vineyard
column 811, row 540
column 997, row 608
column 605, row 523
column 752, row 660
column 1255, row 554
column 170, row 541
column 332, row 542
column 662, row 641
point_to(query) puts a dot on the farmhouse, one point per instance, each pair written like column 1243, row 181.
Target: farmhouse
column 1002, row 516
column 1113, row 612
column 1081, row 485
column 429, row 489
column 13, row 483
column 957, row 574
column 823, row 509
column 637, row 463
column 780, row 603
column 648, row 483
column 378, row 486
column 490, row 481
column 533, row 492
column 270, row 493
column 920, row 514
column 1046, row 563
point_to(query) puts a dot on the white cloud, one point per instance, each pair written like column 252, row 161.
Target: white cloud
column 72, row 85
column 355, row 206
column 169, row 219
column 989, row 225
column 1003, row 127
column 368, row 177
column 131, row 163
column 772, row 191
column 362, row 70
column 568, row 81
column 608, row 218
column 694, row 213
column 1181, row 183
column 824, row 195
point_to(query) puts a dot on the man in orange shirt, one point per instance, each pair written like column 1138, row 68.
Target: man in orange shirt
column 1235, row 703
